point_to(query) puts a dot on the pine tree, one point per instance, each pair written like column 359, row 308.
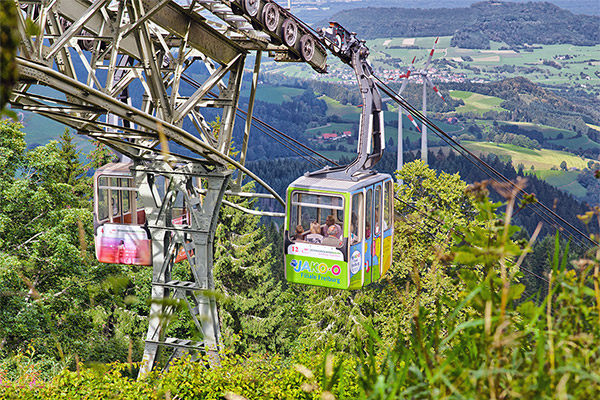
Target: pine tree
column 54, row 296
column 253, row 312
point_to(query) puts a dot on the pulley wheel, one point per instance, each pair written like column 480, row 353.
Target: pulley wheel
column 337, row 46
column 270, row 17
column 307, row 47
column 251, row 7
column 289, row 32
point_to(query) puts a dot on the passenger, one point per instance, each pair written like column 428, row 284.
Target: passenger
column 315, row 233
column 332, row 239
column 368, row 230
column 353, row 236
column 329, row 222
column 299, row 235
column 115, row 207
column 121, row 252
column 353, row 228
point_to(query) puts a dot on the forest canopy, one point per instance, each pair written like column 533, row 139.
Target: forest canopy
column 514, row 23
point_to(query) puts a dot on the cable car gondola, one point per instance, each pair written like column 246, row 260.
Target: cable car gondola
column 120, row 228
column 360, row 215
column 119, row 221
column 339, row 229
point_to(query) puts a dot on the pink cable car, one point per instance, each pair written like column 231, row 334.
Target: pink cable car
column 120, row 234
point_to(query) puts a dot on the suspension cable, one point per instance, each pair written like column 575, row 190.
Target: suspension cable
column 299, row 145
column 454, row 144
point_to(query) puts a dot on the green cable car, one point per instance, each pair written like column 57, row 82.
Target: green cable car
column 339, row 223
column 339, row 233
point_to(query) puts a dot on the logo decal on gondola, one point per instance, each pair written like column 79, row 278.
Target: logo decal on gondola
column 355, row 262
column 315, row 267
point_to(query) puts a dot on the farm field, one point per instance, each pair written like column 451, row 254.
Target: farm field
column 274, row 94
column 329, row 128
column 344, row 111
column 351, row 113
column 576, row 64
column 543, row 159
column 565, row 180
column 477, row 103
column 568, row 140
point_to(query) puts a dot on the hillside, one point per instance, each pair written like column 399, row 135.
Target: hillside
column 529, row 102
column 516, row 24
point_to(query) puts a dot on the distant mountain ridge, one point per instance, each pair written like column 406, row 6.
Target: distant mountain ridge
column 517, row 24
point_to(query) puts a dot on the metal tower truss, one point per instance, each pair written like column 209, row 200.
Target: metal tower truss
column 181, row 205
column 126, row 73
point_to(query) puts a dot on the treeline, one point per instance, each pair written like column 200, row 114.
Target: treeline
column 508, row 138
column 290, row 117
column 280, row 173
column 517, row 24
column 529, row 102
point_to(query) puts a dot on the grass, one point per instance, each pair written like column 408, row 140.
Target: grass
column 582, row 142
column 543, row 159
column 565, row 180
column 330, row 127
column 570, row 140
column 595, row 127
column 346, row 112
column 275, row 94
column 548, row 131
column 477, row 103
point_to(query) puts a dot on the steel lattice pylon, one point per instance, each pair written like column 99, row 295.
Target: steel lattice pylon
column 125, row 73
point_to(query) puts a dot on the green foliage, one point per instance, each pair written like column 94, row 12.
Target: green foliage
column 52, row 296
column 8, row 50
column 254, row 310
column 255, row 377
column 516, row 24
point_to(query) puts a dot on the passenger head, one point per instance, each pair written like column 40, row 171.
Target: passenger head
column 299, row 230
column 330, row 220
column 332, row 231
column 315, row 227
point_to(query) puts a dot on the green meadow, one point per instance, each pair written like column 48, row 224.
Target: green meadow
column 569, row 138
column 275, row 94
column 543, row 159
column 476, row 103
column 565, row 180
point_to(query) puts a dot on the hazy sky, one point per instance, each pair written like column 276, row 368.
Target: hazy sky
column 576, row 6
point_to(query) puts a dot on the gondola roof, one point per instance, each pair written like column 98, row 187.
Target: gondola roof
column 332, row 184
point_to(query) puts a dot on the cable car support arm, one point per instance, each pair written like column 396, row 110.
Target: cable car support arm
column 371, row 140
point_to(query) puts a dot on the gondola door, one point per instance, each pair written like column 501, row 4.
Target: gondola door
column 356, row 239
column 377, row 232
column 368, row 213
column 388, row 226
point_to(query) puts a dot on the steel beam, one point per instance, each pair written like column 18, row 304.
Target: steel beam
column 195, row 236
